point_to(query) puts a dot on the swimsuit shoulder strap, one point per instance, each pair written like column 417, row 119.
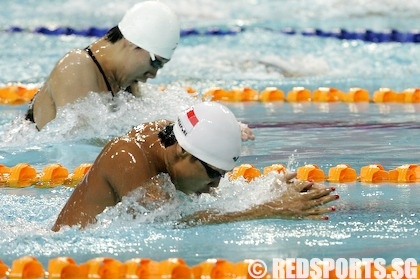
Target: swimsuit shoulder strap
column 89, row 51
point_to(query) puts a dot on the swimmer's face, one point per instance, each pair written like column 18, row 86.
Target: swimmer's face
column 190, row 175
column 140, row 65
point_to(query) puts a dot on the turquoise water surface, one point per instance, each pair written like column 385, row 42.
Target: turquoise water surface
column 372, row 220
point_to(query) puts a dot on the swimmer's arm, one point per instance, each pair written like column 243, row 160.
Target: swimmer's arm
column 246, row 132
column 302, row 200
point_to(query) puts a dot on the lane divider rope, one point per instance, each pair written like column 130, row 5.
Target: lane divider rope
column 322, row 94
column 368, row 35
column 341, row 173
column 172, row 268
column 16, row 94
column 24, row 175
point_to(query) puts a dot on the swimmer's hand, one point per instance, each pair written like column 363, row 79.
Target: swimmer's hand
column 300, row 200
column 246, row 132
column 296, row 200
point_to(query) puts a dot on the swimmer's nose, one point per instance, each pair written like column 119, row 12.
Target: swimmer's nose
column 151, row 74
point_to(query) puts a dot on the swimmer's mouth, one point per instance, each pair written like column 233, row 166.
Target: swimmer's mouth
column 209, row 190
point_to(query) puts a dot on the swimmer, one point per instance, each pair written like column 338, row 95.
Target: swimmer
column 131, row 52
column 195, row 151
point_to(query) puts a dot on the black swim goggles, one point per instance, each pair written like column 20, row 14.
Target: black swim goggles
column 211, row 172
column 156, row 63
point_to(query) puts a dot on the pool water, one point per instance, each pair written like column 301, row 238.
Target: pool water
column 371, row 221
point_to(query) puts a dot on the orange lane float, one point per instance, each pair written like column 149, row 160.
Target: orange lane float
column 405, row 174
column 373, row 174
column 310, row 172
column 175, row 268
column 299, row 94
column 52, row 175
column 20, row 175
column 217, row 94
column 271, row 94
column 222, row 269
column 4, row 174
column 3, row 269
column 190, row 90
column 77, row 175
column 28, row 267
column 411, row 95
column 204, row 269
column 103, row 267
column 356, row 95
column 302, row 94
column 24, row 175
column 66, row 267
column 146, row 268
column 16, row 94
column 342, row 173
column 327, row 94
column 279, row 168
column 239, row 94
column 247, row 171
column 244, row 94
column 385, row 95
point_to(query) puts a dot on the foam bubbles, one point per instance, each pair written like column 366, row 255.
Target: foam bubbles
column 99, row 117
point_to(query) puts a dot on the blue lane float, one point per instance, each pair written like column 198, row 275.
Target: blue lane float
column 367, row 35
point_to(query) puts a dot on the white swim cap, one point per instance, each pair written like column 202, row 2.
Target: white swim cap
column 210, row 132
column 153, row 26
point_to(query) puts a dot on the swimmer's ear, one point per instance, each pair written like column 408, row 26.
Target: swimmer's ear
column 181, row 152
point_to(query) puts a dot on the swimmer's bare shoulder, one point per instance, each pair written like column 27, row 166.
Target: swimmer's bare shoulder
column 74, row 77
column 131, row 153
column 149, row 128
column 121, row 167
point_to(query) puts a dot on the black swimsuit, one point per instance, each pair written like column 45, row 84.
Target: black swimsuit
column 108, row 86
column 30, row 113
